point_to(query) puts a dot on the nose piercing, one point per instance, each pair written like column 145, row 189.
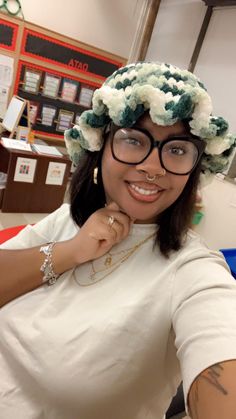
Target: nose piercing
column 150, row 178
column 153, row 178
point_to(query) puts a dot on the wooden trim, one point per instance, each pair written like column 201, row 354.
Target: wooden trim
column 200, row 38
column 148, row 29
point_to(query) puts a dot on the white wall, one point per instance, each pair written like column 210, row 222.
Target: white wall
column 174, row 37
column 176, row 29
column 106, row 24
column 218, row 226
column 216, row 64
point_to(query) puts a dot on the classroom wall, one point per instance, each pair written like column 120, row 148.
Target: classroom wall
column 175, row 33
column 106, row 24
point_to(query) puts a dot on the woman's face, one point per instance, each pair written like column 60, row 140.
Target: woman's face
column 127, row 184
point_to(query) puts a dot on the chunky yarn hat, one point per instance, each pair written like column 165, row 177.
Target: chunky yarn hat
column 169, row 94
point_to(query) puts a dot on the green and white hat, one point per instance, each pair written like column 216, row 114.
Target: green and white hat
column 169, row 94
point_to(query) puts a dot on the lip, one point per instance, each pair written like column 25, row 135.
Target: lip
column 146, row 186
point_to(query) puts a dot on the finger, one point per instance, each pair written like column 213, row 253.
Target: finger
column 121, row 219
column 114, row 206
column 109, row 240
column 119, row 228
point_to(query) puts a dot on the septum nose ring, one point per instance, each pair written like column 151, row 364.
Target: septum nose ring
column 150, row 178
column 153, row 178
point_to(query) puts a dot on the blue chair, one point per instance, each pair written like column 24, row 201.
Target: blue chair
column 230, row 257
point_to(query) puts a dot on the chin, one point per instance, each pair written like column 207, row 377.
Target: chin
column 141, row 218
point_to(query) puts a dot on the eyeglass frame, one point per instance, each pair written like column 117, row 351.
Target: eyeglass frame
column 198, row 142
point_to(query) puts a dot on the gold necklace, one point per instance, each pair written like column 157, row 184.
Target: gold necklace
column 111, row 263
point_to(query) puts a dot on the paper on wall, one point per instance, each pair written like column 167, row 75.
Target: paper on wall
column 6, row 70
column 4, row 92
column 55, row 173
column 25, row 170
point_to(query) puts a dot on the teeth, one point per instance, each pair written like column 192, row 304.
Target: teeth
column 144, row 191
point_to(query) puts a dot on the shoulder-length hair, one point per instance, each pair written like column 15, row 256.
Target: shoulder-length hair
column 86, row 197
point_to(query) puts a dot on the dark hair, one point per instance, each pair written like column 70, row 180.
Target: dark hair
column 176, row 219
column 87, row 197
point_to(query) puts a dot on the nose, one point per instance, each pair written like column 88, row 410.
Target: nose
column 152, row 164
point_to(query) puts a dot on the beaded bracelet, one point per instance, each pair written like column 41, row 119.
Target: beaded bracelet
column 49, row 275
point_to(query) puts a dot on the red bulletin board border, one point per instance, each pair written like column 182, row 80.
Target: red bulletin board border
column 66, row 45
column 49, row 135
column 14, row 38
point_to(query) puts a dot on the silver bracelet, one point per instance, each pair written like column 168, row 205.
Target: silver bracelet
column 49, row 275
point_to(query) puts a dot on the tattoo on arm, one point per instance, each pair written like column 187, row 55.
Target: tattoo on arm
column 212, row 376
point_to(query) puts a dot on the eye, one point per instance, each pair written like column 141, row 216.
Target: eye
column 178, row 148
column 133, row 141
column 178, row 151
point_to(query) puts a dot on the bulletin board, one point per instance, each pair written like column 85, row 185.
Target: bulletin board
column 8, row 35
column 56, row 98
column 55, row 73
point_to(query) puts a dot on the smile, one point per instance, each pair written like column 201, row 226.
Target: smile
column 143, row 191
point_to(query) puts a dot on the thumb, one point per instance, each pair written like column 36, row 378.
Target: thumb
column 113, row 206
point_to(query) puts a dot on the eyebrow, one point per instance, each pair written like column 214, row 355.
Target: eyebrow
column 184, row 134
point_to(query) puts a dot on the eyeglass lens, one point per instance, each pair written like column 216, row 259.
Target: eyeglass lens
column 132, row 146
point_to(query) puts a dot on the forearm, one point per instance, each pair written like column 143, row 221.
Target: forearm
column 213, row 393
column 20, row 269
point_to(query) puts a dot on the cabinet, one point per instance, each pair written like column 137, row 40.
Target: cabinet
column 37, row 196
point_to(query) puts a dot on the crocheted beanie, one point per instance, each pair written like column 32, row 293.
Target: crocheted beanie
column 169, row 94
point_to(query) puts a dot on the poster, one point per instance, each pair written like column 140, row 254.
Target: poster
column 32, row 81
column 85, row 97
column 64, row 120
column 22, row 133
column 6, row 75
column 51, row 85
column 33, row 112
column 48, row 114
column 69, row 90
column 25, row 170
column 55, row 173
column 6, row 70
column 4, row 91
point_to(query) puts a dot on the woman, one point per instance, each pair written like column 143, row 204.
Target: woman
column 138, row 302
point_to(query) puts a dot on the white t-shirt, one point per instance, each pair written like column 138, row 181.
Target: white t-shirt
column 118, row 348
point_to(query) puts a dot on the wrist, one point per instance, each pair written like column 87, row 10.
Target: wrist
column 47, row 268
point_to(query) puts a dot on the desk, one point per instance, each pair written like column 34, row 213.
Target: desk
column 31, row 197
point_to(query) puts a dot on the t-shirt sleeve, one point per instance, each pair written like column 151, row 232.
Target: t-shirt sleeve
column 203, row 313
column 56, row 226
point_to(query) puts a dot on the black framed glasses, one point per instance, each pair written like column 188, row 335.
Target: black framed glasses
column 178, row 154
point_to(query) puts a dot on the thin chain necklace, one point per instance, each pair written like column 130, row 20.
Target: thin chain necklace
column 110, row 262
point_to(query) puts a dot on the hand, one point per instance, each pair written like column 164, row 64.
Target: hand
column 97, row 237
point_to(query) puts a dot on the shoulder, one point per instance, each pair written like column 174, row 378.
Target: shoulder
column 56, row 226
column 195, row 249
